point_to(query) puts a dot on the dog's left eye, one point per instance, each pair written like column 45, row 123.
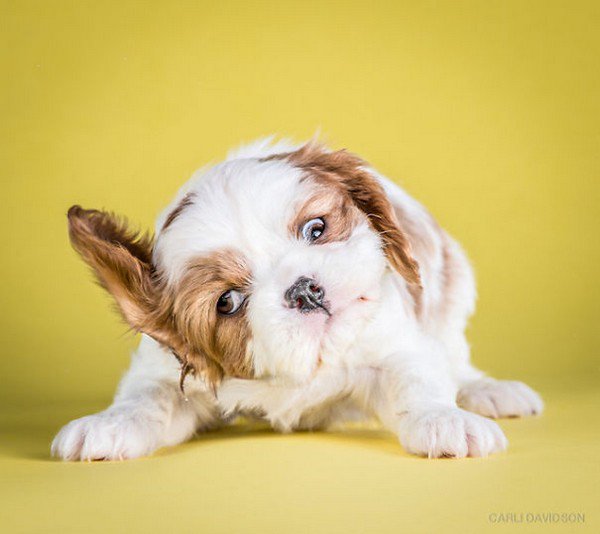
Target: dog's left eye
column 230, row 302
column 313, row 229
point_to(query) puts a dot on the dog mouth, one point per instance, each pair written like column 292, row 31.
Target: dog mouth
column 332, row 315
column 324, row 308
column 354, row 310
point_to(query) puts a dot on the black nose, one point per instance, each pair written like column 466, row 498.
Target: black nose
column 306, row 295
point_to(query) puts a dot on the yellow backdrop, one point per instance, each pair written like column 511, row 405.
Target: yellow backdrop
column 488, row 112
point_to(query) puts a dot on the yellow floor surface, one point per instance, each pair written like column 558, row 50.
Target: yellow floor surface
column 250, row 479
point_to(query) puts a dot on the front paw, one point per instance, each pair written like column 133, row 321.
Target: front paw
column 445, row 432
column 114, row 434
column 500, row 398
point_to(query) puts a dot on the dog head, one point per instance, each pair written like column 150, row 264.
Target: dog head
column 264, row 267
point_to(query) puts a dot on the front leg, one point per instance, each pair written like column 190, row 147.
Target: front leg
column 499, row 398
column 415, row 398
column 484, row 395
column 149, row 411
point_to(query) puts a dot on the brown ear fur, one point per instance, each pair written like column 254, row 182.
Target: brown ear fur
column 349, row 171
column 122, row 262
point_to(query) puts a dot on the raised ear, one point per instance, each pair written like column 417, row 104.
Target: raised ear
column 368, row 195
column 122, row 262
column 120, row 259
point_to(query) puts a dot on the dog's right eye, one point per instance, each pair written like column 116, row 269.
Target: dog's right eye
column 230, row 302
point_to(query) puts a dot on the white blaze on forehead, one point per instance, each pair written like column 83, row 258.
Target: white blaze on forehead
column 243, row 204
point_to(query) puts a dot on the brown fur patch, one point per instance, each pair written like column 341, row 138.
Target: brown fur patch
column 344, row 170
column 223, row 338
column 334, row 207
column 120, row 258
column 186, row 201
column 121, row 261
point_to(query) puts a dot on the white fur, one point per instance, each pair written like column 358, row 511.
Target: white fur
column 379, row 357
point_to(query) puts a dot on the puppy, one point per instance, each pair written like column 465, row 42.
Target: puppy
column 296, row 284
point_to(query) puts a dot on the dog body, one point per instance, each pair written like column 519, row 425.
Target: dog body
column 295, row 284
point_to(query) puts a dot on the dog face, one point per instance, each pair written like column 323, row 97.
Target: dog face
column 265, row 267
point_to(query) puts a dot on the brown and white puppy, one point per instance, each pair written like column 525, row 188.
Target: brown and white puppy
column 297, row 284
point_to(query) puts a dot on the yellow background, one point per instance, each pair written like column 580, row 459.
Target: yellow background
column 488, row 112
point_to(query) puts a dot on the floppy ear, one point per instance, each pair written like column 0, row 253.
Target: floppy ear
column 370, row 198
column 368, row 195
column 122, row 262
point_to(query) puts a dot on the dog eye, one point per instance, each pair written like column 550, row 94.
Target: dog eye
column 230, row 302
column 313, row 229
